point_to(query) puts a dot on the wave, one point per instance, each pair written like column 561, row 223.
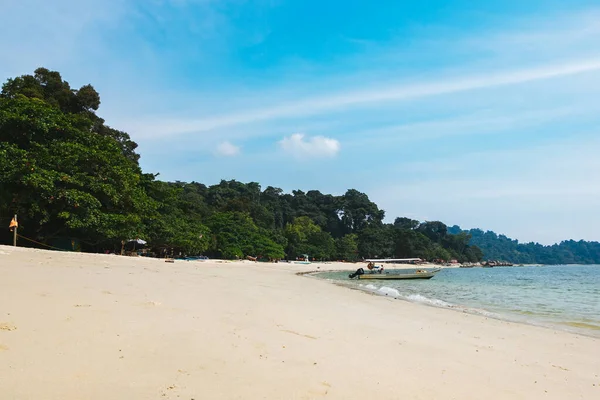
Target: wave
column 419, row 298
column 435, row 302
column 389, row 291
column 516, row 306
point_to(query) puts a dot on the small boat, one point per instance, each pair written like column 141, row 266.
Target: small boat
column 398, row 276
column 378, row 273
column 305, row 259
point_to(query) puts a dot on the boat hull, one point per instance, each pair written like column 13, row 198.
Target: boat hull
column 423, row 275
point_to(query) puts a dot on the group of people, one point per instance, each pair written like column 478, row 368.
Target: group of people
column 371, row 266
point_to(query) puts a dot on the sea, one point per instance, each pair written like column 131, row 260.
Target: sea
column 565, row 297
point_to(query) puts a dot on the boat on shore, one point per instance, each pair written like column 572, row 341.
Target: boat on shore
column 493, row 263
column 378, row 273
column 399, row 276
column 305, row 259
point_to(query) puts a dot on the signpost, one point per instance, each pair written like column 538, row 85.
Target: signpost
column 14, row 225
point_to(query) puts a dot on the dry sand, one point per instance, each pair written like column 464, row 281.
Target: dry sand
column 84, row 326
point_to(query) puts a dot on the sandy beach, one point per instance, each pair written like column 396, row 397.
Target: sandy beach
column 90, row 326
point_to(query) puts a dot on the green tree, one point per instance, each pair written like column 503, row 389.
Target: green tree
column 473, row 254
column 457, row 244
column 412, row 244
column 70, row 175
column 321, row 246
column 434, row 230
column 347, row 247
column 49, row 86
column 170, row 226
column 306, row 237
column 64, row 180
column 437, row 252
column 235, row 235
column 376, row 241
column 405, row 223
column 267, row 248
column 357, row 211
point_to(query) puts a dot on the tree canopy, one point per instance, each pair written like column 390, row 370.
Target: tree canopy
column 64, row 180
column 68, row 175
column 500, row 247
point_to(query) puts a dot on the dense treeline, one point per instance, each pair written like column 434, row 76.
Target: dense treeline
column 75, row 182
column 500, row 247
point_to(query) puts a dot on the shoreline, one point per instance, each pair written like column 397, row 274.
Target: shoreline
column 102, row 326
column 590, row 331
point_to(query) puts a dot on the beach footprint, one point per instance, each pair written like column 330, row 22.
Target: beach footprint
column 150, row 304
column 5, row 326
column 168, row 391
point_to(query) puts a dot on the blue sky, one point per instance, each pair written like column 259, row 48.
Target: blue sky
column 482, row 114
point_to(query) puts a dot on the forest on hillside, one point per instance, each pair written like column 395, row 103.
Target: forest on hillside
column 75, row 183
column 500, row 247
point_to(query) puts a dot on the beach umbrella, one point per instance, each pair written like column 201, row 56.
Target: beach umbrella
column 138, row 241
column 135, row 242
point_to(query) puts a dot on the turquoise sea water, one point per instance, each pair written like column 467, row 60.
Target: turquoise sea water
column 566, row 297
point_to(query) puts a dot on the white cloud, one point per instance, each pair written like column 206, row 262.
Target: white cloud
column 535, row 76
column 377, row 95
column 227, row 149
column 317, row 146
column 547, row 51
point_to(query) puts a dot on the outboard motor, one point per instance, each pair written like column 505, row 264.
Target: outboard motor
column 358, row 272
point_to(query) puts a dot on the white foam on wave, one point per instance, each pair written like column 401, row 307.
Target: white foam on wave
column 419, row 298
column 389, row 291
column 479, row 311
column 422, row 299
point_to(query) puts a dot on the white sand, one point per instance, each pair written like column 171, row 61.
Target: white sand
column 82, row 326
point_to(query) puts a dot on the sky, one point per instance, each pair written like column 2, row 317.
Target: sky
column 482, row 114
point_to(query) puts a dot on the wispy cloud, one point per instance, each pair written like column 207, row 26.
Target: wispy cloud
column 447, row 97
column 552, row 36
column 301, row 146
column 524, row 51
column 484, row 122
column 227, row 149
column 371, row 96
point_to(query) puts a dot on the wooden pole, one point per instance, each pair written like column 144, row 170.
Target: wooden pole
column 15, row 233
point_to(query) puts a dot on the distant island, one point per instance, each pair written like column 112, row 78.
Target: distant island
column 500, row 247
column 76, row 184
